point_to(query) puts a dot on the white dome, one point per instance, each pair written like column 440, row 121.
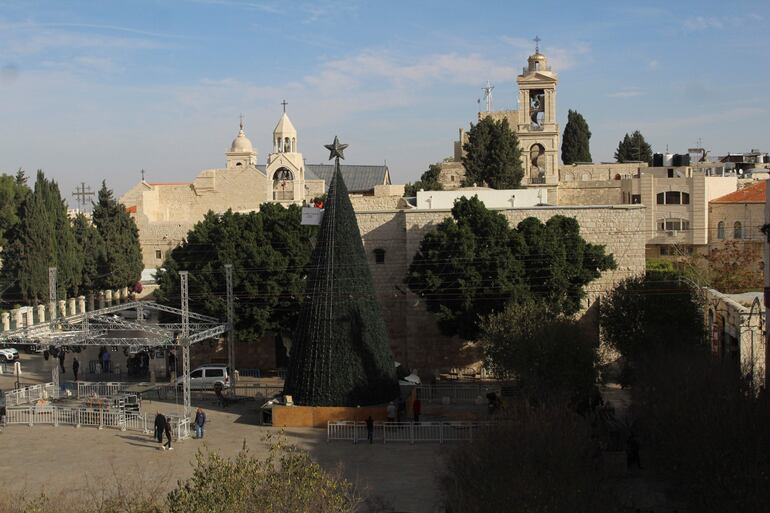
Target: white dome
column 241, row 144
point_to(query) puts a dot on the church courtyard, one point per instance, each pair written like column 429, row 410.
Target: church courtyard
column 69, row 463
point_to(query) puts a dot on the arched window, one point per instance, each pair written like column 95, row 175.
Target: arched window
column 660, row 198
column 721, row 230
column 737, row 230
column 283, row 185
column 379, row 256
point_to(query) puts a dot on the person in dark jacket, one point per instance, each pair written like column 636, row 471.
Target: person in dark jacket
column 168, row 435
column 370, row 429
column 75, row 367
column 200, row 420
column 160, row 428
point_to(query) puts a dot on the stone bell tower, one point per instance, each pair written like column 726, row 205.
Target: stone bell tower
column 537, row 128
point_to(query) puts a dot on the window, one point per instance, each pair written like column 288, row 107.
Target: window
column 215, row 373
column 673, row 224
column 379, row 256
column 238, row 164
column 196, row 374
column 673, row 197
column 660, row 199
column 721, row 230
column 158, row 254
column 636, row 199
column 671, row 173
column 737, row 230
column 685, row 198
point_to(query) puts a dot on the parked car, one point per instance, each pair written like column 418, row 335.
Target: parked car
column 206, row 377
column 9, row 354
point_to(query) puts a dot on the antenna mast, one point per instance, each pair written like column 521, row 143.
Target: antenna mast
column 488, row 96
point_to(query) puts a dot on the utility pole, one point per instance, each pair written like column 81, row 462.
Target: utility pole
column 52, row 295
column 766, row 229
column 185, row 342
column 230, row 321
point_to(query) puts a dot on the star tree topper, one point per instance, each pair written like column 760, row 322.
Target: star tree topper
column 336, row 149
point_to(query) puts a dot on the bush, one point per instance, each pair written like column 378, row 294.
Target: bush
column 544, row 460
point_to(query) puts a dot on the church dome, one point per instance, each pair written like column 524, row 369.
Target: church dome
column 241, row 144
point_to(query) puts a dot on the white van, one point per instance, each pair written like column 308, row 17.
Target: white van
column 207, row 376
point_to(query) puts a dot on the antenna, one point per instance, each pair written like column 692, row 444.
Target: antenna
column 537, row 44
column 488, row 96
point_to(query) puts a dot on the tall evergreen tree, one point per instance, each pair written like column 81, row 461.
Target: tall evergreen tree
column 123, row 255
column 575, row 144
column 340, row 354
column 29, row 254
column 492, row 155
column 12, row 196
column 633, row 148
column 92, row 248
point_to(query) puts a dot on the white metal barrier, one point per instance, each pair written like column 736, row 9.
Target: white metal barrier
column 63, row 416
column 31, row 393
column 405, row 432
column 99, row 389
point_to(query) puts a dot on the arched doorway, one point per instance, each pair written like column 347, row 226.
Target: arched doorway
column 283, row 185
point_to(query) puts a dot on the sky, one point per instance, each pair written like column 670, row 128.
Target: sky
column 101, row 89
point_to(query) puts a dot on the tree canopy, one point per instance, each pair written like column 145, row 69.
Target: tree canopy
column 575, row 143
column 428, row 181
column 492, row 155
column 633, row 148
column 268, row 250
column 473, row 264
column 645, row 315
column 123, row 255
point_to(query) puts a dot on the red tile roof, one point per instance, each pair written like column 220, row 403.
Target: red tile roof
column 752, row 194
column 131, row 209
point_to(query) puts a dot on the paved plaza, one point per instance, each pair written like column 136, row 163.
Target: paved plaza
column 71, row 460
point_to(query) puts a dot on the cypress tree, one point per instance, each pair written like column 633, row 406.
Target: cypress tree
column 633, row 148
column 123, row 256
column 91, row 246
column 575, row 144
column 492, row 155
column 340, row 354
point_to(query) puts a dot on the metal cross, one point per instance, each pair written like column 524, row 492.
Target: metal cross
column 537, row 44
column 284, row 105
column 83, row 192
column 143, row 174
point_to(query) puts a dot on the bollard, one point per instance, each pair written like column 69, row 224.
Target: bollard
column 116, row 296
column 62, row 308
column 102, row 299
column 6, row 319
column 108, row 297
column 71, row 306
column 17, row 317
column 81, row 304
column 30, row 316
column 52, row 310
column 41, row 314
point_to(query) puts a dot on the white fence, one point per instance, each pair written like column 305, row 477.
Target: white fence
column 99, row 389
column 64, row 416
column 170, row 391
column 31, row 393
column 405, row 432
column 456, row 393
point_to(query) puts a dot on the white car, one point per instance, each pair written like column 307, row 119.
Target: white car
column 206, row 377
column 9, row 354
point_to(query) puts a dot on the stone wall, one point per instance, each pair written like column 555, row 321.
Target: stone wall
column 415, row 338
column 603, row 192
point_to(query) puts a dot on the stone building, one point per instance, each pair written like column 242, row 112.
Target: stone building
column 165, row 211
column 739, row 216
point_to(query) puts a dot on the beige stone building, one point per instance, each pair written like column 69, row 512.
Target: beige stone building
column 165, row 211
column 739, row 216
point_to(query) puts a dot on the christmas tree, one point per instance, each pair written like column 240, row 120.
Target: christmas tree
column 340, row 354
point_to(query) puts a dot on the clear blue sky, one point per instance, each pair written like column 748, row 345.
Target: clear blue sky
column 92, row 90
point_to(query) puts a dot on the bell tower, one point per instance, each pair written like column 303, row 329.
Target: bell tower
column 285, row 165
column 537, row 128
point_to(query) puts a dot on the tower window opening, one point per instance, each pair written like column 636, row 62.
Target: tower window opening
column 379, row 256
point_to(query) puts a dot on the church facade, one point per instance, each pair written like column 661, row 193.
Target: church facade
column 165, row 211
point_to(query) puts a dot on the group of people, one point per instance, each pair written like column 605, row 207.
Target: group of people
column 394, row 413
column 163, row 427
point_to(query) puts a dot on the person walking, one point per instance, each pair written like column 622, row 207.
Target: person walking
column 416, row 409
column 370, row 429
column 106, row 362
column 75, row 367
column 200, row 420
column 168, row 435
column 391, row 412
column 160, row 428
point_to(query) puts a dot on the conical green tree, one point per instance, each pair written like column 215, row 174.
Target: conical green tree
column 575, row 144
column 340, row 355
